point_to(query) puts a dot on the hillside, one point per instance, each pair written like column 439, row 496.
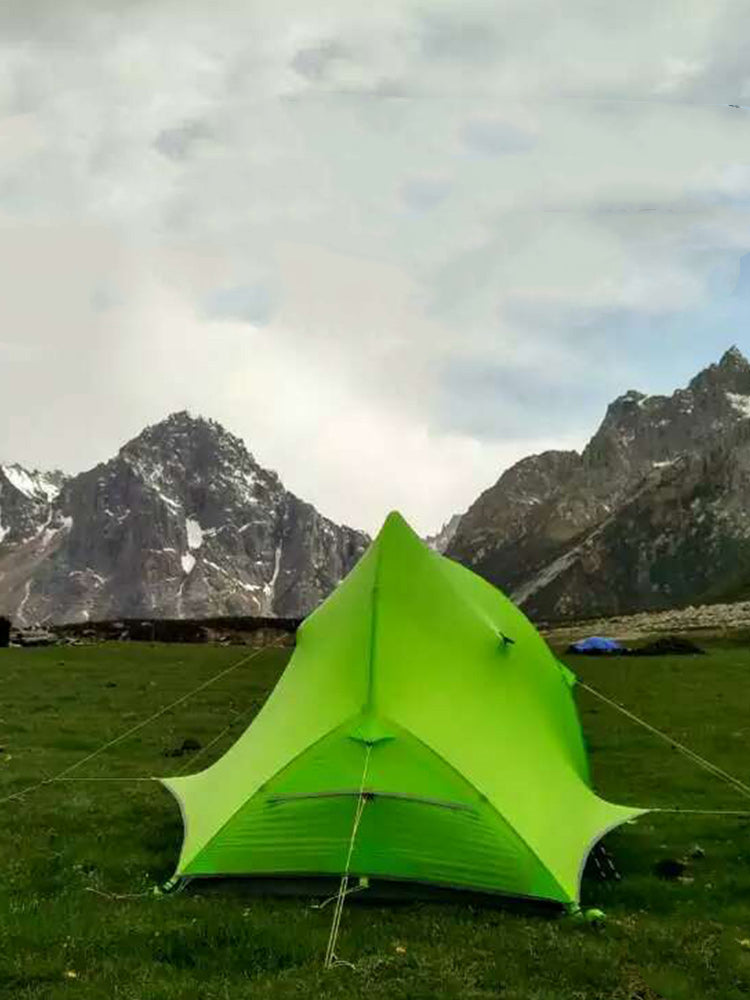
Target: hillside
column 654, row 513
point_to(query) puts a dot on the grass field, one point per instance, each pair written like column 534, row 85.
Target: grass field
column 69, row 850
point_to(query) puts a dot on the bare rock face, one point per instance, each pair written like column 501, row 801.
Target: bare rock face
column 183, row 522
column 652, row 514
column 440, row 541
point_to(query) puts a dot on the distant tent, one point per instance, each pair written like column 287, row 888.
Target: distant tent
column 404, row 697
column 596, row 644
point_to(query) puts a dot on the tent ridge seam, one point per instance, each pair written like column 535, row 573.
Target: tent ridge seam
column 372, row 651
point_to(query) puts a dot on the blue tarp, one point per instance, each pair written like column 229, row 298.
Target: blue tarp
column 596, row 644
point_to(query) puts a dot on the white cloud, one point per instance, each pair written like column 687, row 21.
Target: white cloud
column 342, row 231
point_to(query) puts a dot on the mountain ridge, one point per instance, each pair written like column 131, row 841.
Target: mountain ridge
column 181, row 522
column 548, row 529
column 184, row 522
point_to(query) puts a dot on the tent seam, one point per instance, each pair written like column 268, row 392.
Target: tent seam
column 372, row 652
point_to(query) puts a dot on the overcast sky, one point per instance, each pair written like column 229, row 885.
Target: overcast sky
column 394, row 246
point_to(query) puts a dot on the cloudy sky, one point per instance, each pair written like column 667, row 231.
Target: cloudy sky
column 394, row 246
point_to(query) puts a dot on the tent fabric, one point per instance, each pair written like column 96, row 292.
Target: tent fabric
column 477, row 774
column 596, row 644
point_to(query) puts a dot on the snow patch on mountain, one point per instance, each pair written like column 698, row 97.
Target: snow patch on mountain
column 20, row 479
column 188, row 563
column 741, row 403
column 270, row 587
column 167, row 500
column 89, row 574
column 21, row 610
column 194, row 533
column 34, row 485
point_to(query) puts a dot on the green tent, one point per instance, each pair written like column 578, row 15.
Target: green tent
column 421, row 694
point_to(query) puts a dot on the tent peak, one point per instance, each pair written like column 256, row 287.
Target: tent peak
column 394, row 517
column 396, row 524
column 397, row 541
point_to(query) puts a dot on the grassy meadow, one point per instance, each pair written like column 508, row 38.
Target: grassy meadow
column 79, row 859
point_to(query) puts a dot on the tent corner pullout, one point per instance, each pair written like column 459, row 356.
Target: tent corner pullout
column 404, row 688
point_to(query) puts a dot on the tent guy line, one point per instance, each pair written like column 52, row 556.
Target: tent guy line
column 330, row 956
column 215, row 740
column 62, row 775
column 96, row 777
column 676, row 810
column 714, row 769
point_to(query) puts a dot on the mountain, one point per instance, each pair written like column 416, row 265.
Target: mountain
column 654, row 512
column 182, row 522
column 441, row 541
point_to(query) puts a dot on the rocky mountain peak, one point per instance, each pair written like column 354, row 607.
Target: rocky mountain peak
column 730, row 374
column 184, row 423
column 625, row 410
column 640, row 431
column 197, row 465
column 534, row 540
column 734, row 358
column 182, row 522
column 628, row 400
column 187, row 438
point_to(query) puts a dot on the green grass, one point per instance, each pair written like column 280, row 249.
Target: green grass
column 60, row 939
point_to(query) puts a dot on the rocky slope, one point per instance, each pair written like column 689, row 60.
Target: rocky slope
column 183, row 522
column 654, row 512
column 697, row 621
column 440, row 541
